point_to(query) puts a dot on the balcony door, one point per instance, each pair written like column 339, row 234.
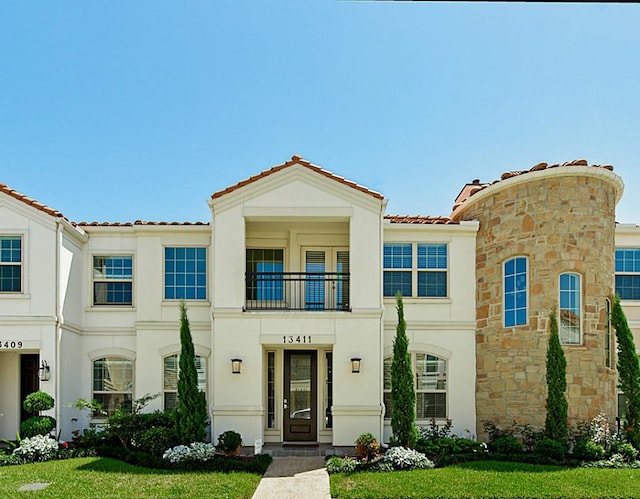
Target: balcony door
column 300, row 396
column 327, row 278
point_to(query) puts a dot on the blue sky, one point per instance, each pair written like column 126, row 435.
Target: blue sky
column 125, row 110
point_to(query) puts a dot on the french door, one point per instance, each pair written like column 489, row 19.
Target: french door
column 327, row 278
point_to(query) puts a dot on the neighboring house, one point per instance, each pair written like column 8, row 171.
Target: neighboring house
column 290, row 295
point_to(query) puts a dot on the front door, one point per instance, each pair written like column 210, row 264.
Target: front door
column 29, row 381
column 300, row 396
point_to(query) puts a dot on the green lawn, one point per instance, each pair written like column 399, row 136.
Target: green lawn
column 489, row 479
column 97, row 477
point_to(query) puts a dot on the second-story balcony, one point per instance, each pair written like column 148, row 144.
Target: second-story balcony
column 305, row 291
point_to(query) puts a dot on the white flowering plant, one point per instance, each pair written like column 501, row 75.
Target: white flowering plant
column 407, row 459
column 197, row 451
column 37, row 448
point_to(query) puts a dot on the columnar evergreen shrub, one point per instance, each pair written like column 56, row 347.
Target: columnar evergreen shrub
column 555, row 425
column 628, row 373
column 191, row 413
column 403, row 394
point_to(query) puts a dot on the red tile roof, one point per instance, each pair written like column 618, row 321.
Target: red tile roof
column 131, row 224
column 31, row 202
column 419, row 219
column 295, row 159
column 474, row 187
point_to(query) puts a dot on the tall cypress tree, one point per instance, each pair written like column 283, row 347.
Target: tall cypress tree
column 191, row 413
column 628, row 373
column 403, row 393
column 555, row 425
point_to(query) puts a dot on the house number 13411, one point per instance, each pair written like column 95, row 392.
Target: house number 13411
column 296, row 339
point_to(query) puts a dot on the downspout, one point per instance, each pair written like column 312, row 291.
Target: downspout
column 383, row 206
column 59, row 321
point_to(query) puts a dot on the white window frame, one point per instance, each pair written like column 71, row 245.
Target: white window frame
column 623, row 273
column 195, row 286
column 580, row 307
column 442, row 375
column 129, row 392
column 95, row 280
column 504, row 292
column 19, row 264
column 202, row 377
column 415, row 270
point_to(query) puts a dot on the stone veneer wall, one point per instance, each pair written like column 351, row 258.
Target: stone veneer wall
column 561, row 223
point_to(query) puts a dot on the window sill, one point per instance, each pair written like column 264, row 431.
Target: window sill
column 111, row 308
column 192, row 303
column 419, row 299
column 15, row 296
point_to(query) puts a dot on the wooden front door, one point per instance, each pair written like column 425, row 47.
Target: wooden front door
column 300, row 396
column 29, row 382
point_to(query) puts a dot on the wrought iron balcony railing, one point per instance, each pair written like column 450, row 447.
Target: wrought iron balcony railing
column 310, row 291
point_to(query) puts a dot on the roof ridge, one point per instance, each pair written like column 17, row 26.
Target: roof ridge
column 296, row 159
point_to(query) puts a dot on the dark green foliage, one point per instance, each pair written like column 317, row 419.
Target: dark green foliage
column 229, row 442
column 587, row 450
column 191, row 413
column 156, row 440
column 550, row 448
column 438, row 448
column 38, row 401
column 403, row 394
column 506, row 444
column 626, row 450
column 628, row 373
column 555, row 425
column 37, row 425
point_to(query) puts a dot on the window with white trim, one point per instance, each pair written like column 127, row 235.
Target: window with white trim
column 430, row 374
column 185, row 273
column 170, row 374
column 10, row 264
column 113, row 280
column 421, row 267
column 515, row 291
column 113, row 383
column 570, row 308
column 627, row 267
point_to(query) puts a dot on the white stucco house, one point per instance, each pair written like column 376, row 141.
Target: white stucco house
column 290, row 295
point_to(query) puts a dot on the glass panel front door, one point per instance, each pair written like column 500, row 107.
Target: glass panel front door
column 300, row 395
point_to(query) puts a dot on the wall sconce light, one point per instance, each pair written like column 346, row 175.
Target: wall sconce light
column 355, row 364
column 44, row 372
column 236, row 365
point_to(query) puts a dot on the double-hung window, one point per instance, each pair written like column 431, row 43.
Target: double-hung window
column 185, row 273
column 430, row 374
column 570, row 308
column 113, row 280
column 432, row 270
column 171, row 373
column 10, row 264
column 515, row 292
column 397, row 263
column 628, row 273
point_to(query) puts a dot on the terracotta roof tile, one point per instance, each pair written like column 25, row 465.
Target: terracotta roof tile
column 420, row 219
column 131, row 224
column 296, row 159
column 31, row 202
column 470, row 189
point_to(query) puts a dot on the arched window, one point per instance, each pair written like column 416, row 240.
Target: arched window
column 430, row 373
column 570, row 308
column 515, row 292
column 170, row 375
column 113, row 383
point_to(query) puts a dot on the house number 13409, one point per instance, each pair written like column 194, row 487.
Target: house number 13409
column 296, row 339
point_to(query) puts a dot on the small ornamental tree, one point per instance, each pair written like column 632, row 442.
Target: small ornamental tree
column 191, row 413
column 403, row 394
column 555, row 425
column 628, row 373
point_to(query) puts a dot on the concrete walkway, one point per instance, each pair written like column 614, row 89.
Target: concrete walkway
column 294, row 477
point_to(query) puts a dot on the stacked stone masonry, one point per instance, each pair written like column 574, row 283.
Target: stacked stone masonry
column 561, row 223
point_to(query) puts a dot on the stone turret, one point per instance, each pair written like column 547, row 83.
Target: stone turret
column 561, row 219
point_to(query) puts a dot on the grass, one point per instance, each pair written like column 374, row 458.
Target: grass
column 97, row 477
column 490, row 479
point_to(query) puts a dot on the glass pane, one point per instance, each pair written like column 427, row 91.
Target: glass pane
column 314, row 288
column 271, row 390
column 300, row 386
